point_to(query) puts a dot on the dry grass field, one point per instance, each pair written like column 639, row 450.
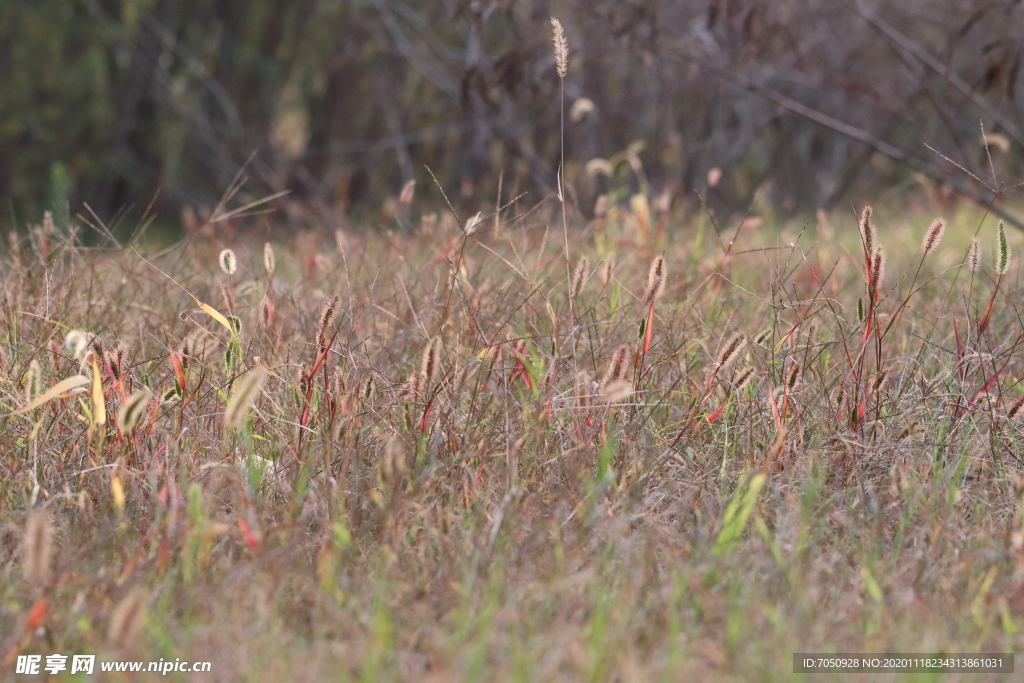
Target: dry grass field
column 443, row 453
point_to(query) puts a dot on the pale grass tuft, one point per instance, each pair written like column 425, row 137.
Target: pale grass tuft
column 393, row 464
column 267, row 313
column 407, row 193
column 561, row 46
column 37, row 548
column 414, row 387
column 617, row 367
column 730, row 351
column 867, row 231
column 584, row 389
column 246, row 390
column 578, row 277
column 132, row 409
column 974, row 255
column 714, row 175
column 228, row 261
column 743, row 380
column 33, row 381
column 877, row 269
column 430, row 360
column 269, row 260
column 580, row 108
column 655, row 280
column 616, row 392
column 127, row 618
column 368, row 390
column 608, row 268
column 77, row 343
column 933, row 236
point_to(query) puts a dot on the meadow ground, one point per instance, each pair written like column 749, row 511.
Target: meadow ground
column 481, row 462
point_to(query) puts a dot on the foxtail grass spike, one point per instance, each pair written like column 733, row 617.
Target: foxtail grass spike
column 561, row 47
column 933, row 236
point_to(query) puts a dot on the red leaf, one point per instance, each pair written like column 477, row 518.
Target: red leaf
column 36, row 615
column 250, row 538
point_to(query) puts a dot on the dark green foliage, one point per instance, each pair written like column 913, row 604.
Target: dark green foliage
column 115, row 102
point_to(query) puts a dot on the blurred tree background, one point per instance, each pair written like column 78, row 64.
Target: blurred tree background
column 802, row 103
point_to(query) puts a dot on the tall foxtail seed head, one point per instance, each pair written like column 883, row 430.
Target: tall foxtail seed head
column 431, row 359
column 730, row 351
column 794, row 375
column 879, row 381
column 584, row 389
column 1014, row 408
column 33, row 380
column 607, row 268
column 932, row 237
column 247, row 388
column 974, row 255
column 655, row 280
column 578, row 277
column 267, row 313
column 393, row 463
column 228, row 262
column 269, row 261
column 867, row 231
column 127, row 618
column 617, row 391
column 327, row 315
column 1003, row 252
column 743, row 379
column 877, row 269
column 37, row 547
column 617, row 367
column 561, row 47
column 77, row 343
column 367, row 390
column 414, row 387
column 132, row 409
column 407, row 191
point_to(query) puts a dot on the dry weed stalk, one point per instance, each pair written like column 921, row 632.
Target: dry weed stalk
column 37, row 548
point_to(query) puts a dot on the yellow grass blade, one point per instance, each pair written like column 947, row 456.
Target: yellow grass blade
column 99, row 407
column 61, row 387
column 215, row 314
column 117, row 491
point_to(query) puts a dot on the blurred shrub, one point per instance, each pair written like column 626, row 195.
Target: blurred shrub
column 109, row 101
